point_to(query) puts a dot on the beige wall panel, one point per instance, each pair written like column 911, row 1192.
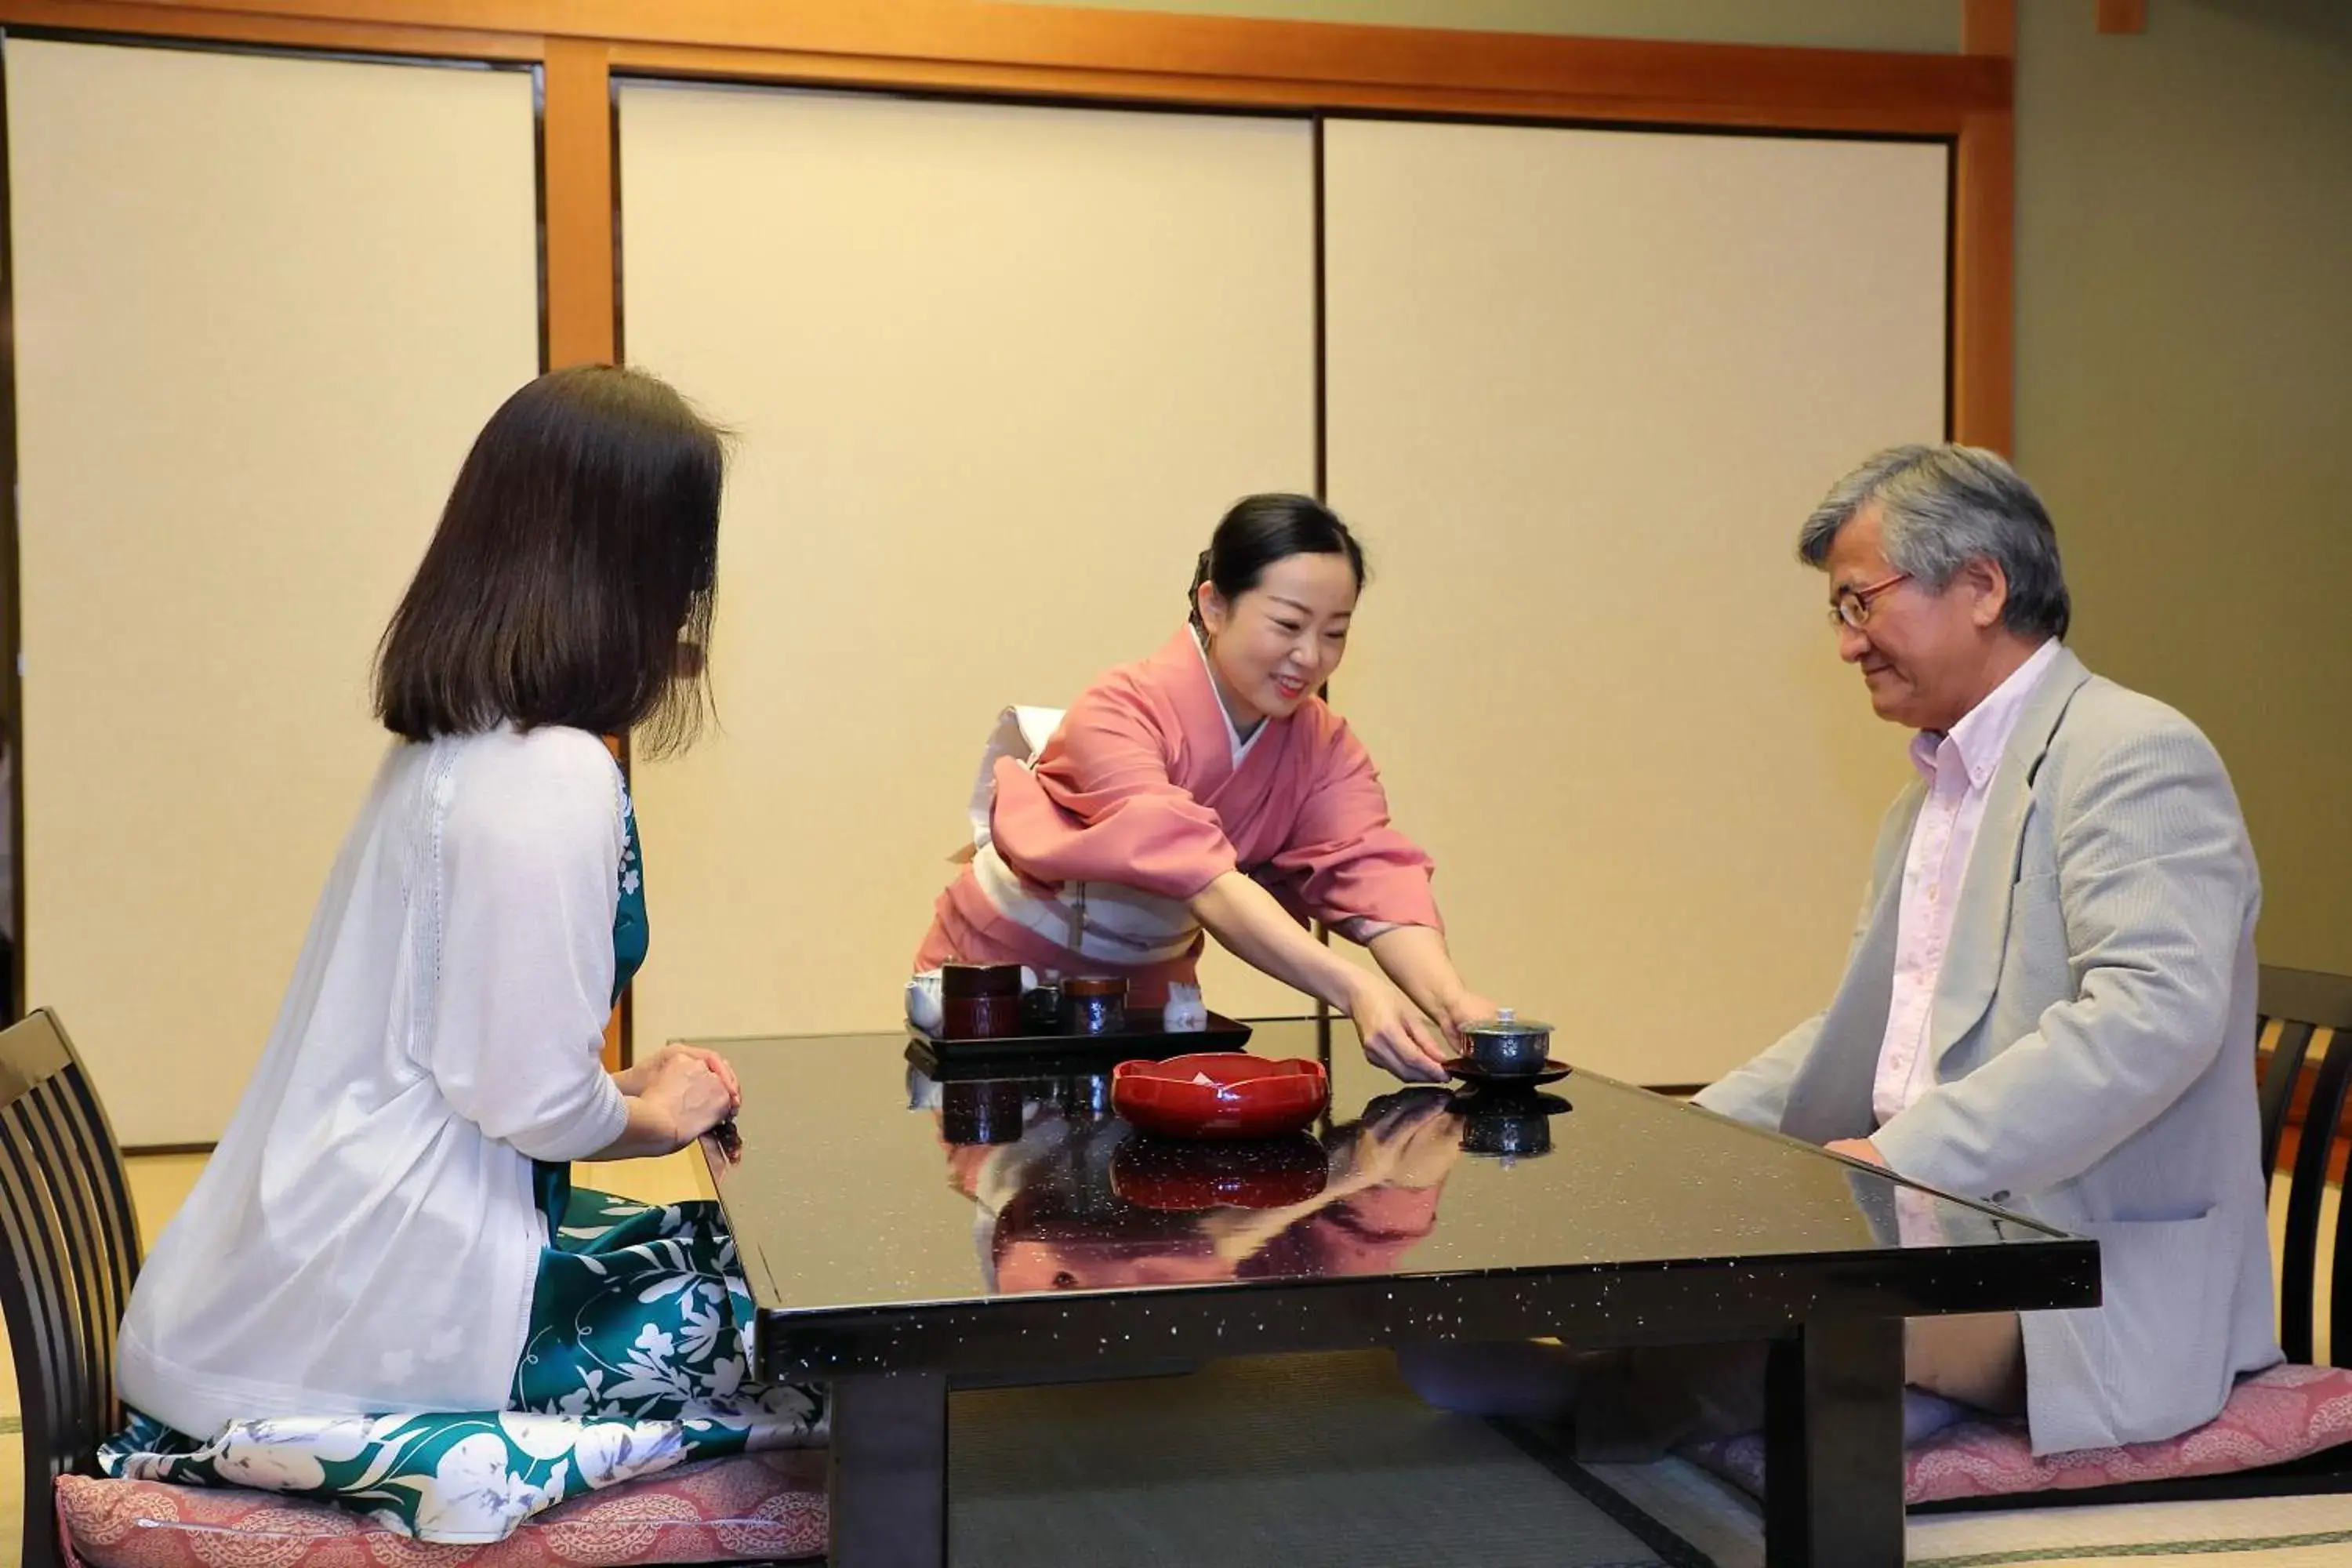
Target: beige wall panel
column 1584, row 386
column 996, row 372
column 2184, row 319
column 262, row 305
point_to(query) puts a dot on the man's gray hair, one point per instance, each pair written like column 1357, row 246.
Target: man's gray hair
column 1941, row 507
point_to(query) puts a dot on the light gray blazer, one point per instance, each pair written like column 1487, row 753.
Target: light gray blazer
column 2092, row 1037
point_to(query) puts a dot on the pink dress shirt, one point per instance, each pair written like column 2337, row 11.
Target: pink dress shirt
column 1960, row 769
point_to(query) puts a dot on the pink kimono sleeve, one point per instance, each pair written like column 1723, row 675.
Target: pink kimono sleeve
column 1345, row 865
column 1371, row 1232
column 1102, row 807
column 1366, row 1233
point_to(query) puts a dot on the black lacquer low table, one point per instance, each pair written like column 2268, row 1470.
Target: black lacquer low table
column 900, row 1236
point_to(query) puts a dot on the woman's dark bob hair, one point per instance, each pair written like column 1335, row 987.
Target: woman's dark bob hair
column 569, row 581
column 1261, row 529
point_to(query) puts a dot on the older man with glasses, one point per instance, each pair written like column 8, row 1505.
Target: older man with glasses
column 2048, row 1003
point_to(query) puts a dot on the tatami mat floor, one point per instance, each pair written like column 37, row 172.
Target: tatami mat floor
column 161, row 1183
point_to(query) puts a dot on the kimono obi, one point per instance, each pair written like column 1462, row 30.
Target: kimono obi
column 1104, row 921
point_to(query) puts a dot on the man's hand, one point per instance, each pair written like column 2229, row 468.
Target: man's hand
column 1861, row 1149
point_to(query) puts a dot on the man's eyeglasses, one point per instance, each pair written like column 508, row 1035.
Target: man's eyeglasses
column 1852, row 608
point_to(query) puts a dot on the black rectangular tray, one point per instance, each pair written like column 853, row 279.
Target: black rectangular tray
column 1143, row 1037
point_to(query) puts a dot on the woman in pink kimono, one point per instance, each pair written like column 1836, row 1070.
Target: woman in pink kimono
column 1208, row 788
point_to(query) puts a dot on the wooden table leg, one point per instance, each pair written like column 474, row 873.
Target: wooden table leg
column 1834, row 1446
column 888, row 1475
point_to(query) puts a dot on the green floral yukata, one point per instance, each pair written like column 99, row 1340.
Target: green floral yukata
column 637, row 1359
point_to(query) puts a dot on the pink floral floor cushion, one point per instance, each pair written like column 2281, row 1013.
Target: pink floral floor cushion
column 2273, row 1418
column 760, row 1506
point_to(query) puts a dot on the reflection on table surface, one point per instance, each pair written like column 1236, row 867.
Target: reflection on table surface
column 862, row 1180
column 1082, row 1201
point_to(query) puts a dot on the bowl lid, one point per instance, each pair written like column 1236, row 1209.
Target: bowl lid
column 1506, row 1022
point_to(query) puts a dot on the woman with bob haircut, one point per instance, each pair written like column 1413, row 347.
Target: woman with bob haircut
column 382, row 1290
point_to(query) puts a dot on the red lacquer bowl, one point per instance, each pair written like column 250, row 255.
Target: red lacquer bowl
column 1245, row 1097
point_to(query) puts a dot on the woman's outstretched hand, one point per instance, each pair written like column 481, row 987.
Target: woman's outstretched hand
column 1395, row 1036
column 1461, row 1010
